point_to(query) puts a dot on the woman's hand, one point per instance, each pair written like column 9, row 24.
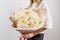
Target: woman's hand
column 27, row 35
column 14, row 21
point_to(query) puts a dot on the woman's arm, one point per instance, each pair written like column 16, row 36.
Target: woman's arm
column 39, row 30
column 43, row 28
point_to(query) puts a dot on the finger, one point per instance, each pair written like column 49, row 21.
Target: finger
column 10, row 18
column 14, row 25
column 20, row 36
column 25, row 35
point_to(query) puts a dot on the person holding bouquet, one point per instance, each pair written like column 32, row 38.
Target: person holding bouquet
column 37, row 6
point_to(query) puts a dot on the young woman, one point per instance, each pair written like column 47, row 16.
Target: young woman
column 38, row 5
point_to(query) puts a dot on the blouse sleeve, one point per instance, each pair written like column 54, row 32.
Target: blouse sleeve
column 45, row 10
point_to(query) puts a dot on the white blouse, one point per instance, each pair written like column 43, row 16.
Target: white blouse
column 42, row 6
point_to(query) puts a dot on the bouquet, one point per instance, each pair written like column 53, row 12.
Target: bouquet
column 28, row 19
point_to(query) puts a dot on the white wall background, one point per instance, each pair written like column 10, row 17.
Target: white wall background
column 6, row 30
column 54, row 34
